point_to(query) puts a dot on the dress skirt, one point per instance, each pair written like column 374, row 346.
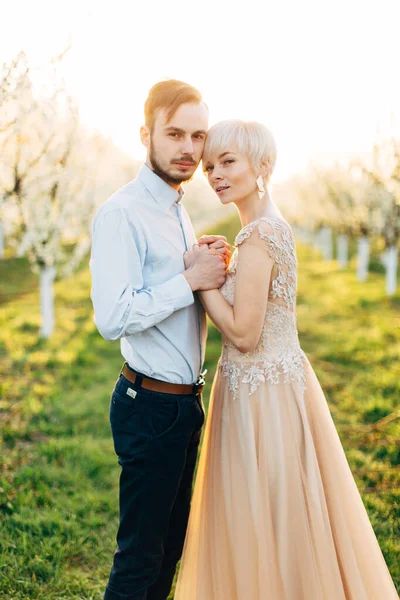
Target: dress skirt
column 276, row 513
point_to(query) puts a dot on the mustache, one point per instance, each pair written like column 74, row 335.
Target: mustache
column 187, row 159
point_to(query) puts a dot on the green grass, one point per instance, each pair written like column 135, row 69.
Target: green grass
column 58, row 472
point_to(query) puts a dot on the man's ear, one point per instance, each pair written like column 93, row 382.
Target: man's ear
column 145, row 136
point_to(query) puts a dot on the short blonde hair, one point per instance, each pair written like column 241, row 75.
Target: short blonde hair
column 250, row 138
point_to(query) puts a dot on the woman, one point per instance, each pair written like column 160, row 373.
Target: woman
column 276, row 514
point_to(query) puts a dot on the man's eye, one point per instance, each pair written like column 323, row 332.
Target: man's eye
column 174, row 135
column 200, row 136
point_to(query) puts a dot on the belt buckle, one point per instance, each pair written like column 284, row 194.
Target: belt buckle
column 200, row 382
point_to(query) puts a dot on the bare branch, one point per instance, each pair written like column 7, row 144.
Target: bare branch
column 59, row 57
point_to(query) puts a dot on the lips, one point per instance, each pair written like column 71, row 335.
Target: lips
column 221, row 188
column 184, row 163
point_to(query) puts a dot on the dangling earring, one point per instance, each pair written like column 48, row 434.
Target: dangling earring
column 260, row 186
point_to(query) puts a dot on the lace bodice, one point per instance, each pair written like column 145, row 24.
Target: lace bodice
column 278, row 356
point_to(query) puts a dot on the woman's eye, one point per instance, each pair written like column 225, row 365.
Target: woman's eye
column 228, row 161
column 208, row 169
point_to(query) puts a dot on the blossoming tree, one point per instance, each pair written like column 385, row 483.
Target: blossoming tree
column 13, row 81
column 54, row 173
column 385, row 177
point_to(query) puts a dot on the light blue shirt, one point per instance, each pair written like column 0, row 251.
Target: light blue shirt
column 139, row 293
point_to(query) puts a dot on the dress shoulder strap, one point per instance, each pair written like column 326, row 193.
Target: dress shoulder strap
column 277, row 235
column 246, row 232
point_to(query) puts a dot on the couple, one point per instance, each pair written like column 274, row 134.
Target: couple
column 276, row 514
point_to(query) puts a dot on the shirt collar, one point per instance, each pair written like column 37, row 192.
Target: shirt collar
column 162, row 193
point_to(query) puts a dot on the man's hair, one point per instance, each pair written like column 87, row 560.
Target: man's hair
column 168, row 95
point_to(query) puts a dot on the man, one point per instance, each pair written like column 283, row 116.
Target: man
column 143, row 295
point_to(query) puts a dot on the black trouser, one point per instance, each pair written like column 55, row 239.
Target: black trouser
column 156, row 437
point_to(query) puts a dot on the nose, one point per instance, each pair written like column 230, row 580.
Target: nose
column 187, row 147
column 216, row 175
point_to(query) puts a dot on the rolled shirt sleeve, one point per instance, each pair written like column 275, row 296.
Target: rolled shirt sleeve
column 122, row 305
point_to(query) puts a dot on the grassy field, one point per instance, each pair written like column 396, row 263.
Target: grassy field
column 58, row 472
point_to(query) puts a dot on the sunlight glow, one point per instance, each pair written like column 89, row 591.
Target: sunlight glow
column 322, row 75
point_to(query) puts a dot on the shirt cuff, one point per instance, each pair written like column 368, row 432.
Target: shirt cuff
column 178, row 292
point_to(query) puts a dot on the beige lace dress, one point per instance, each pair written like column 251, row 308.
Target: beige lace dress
column 276, row 514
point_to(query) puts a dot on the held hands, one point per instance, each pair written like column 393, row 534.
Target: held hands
column 212, row 242
column 206, row 263
column 219, row 243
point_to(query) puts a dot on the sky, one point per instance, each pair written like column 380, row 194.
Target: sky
column 321, row 74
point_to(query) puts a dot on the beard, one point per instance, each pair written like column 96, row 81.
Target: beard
column 161, row 170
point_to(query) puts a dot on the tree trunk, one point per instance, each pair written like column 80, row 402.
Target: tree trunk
column 303, row 235
column 327, row 251
column 317, row 240
column 307, row 237
column 363, row 258
column 391, row 270
column 1, row 240
column 47, row 275
column 343, row 250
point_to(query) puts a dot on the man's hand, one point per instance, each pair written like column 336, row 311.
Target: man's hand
column 207, row 268
column 217, row 242
column 189, row 256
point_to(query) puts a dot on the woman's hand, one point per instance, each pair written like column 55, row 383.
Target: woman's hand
column 219, row 243
column 205, row 268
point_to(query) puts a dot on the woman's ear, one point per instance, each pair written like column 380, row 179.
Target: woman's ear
column 264, row 169
column 145, row 136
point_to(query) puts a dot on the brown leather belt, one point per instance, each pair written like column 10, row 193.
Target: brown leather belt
column 164, row 387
